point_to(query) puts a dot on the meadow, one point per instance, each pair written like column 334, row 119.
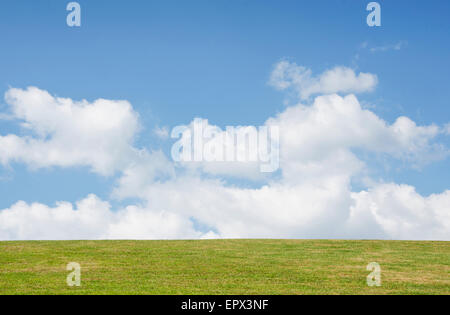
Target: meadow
column 230, row 267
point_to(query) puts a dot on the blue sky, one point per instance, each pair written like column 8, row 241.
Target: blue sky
column 177, row 60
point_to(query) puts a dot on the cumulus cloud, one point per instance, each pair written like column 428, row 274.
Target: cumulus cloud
column 92, row 218
column 320, row 139
column 63, row 132
column 325, row 210
column 233, row 151
column 147, row 168
column 329, row 210
column 402, row 213
column 311, row 198
column 287, row 75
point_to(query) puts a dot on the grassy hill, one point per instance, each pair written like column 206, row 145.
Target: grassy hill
column 225, row 267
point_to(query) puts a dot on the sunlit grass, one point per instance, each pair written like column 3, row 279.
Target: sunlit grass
column 225, row 267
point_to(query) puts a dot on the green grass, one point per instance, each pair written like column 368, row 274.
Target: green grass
column 225, row 267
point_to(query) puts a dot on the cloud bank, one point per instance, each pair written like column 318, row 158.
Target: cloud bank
column 311, row 197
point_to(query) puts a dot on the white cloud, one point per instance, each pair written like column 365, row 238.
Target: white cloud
column 92, row 218
column 330, row 210
column 148, row 168
column 325, row 210
column 62, row 132
column 402, row 213
column 312, row 198
column 214, row 136
column 288, row 75
column 38, row 221
column 319, row 139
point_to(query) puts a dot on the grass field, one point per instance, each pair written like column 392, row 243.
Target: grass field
column 225, row 267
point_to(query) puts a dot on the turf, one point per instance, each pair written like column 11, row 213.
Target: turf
column 225, row 267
